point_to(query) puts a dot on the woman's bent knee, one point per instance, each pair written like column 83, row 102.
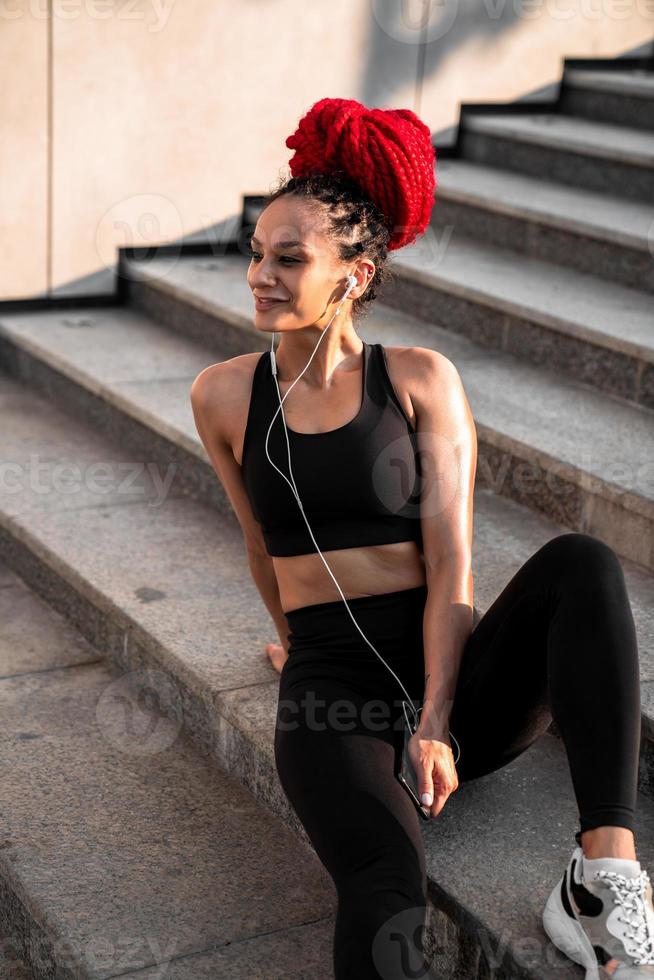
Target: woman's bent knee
column 583, row 556
column 579, row 546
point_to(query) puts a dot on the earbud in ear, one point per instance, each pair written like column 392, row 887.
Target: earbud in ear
column 351, row 283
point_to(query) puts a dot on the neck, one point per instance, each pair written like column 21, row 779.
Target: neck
column 340, row 350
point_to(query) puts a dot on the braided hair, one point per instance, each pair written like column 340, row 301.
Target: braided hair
column 371, row 171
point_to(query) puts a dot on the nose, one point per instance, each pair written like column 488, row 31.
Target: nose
column 261, row 276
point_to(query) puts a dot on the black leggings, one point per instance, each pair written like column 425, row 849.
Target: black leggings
column 558, row 642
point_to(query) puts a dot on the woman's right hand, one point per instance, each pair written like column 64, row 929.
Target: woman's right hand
column 277, row 653
column 433, row 761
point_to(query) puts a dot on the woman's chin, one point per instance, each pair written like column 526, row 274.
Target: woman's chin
column 262, row 317
column 268, row 323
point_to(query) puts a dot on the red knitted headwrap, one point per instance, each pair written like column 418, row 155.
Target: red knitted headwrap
column 388, row 152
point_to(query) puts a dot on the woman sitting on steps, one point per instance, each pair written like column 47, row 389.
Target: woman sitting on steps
column 383, row 451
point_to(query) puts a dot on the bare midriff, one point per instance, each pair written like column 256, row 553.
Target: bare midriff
column 304, row 580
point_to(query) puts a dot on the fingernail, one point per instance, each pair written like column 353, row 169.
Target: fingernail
column 426, row 799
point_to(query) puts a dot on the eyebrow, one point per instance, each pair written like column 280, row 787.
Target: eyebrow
column 288, row 244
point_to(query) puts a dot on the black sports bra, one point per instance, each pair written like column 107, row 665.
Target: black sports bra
column 359, row 483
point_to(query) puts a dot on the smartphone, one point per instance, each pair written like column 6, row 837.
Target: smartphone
column 408, row 778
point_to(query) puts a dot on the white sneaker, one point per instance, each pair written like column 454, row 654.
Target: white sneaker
column 606, row 918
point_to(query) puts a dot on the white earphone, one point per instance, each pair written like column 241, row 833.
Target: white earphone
column 351, row 283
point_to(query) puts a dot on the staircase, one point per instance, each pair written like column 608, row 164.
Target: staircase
column 144, row 830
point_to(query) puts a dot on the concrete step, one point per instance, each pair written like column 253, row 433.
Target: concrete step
column 43, row 481
column 556, row 446
column 625, row 98
column 596, row 156
column 593, row 331
column 12, row 965
column 158, row 585
column 126, row 376
column 608, row 237
column 125, row 852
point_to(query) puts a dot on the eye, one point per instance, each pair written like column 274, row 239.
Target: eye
column 255, row 257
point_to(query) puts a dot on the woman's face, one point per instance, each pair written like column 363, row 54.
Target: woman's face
column 307, row 280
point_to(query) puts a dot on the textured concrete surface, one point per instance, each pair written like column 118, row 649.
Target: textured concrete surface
column 612, row 315
column 638, row 83
column 625, row 100
column 120, row 839
column 624, row 222
column 51, row 641
column 585, row 153
column 70, row 467
column 570, row 133
column 12, row 963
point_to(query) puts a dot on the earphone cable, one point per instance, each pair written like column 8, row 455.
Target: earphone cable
column 352, row 283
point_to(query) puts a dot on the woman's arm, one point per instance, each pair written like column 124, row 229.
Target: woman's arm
column 447, row 624
column 217, row 401
column 447, row 441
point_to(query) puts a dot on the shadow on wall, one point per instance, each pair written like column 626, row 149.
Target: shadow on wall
column 440, row 28
column 451, row 23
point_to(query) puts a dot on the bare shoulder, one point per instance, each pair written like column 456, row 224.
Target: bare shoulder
column 219, row 399
column 221, row 392
column 422, row 377
column 224, row 377
column 420, row 360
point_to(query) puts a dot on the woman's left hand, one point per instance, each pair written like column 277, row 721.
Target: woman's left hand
column 433, row 762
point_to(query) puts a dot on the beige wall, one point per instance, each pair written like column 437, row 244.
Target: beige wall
column 164, row 113
column 24, row 162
